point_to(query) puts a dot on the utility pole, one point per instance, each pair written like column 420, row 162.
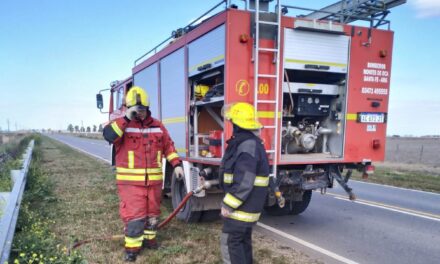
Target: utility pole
column 8, row 126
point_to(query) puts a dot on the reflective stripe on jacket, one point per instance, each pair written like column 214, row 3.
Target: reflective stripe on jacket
column 245, row 177
column 139, row 148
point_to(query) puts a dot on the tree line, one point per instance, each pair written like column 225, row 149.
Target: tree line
column 82, row 129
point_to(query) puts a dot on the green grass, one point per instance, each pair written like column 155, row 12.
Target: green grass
column 34, row 240
column 10, row 159
column 401, row 177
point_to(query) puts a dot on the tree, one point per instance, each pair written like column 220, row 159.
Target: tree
column 94, row 128
column 83, row 129
column 88, row 129
column 77, row 129
column 100, row 128
column 70, row 128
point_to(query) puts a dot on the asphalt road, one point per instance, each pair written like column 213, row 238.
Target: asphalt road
column 385, row 224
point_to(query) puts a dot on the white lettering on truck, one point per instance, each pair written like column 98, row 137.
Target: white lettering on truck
column 376, row 73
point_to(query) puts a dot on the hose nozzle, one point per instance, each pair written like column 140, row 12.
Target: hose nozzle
column 206, row 185
column 280, row 199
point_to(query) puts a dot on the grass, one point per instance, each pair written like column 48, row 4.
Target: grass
column 10, row 154
column 97, row 135
column 34, row 240
column 83, row 203
column 401, row 176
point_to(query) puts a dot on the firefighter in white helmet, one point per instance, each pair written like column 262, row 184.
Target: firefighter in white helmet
column 245, row 178
column 140, row 142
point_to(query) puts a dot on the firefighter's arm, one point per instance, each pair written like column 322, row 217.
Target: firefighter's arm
column 168, row 148
column 244, row 177
column 113, row 131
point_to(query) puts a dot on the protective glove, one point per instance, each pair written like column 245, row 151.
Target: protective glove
column 178, row 171
column 131, row 112
column 225, row 212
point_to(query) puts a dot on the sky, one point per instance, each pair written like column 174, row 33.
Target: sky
column 55, row 55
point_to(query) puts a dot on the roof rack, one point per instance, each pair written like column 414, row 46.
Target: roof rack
column 347, row 11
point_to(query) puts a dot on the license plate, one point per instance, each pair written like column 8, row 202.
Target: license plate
column 371, row 117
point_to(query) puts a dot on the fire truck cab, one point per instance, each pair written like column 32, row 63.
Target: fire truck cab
column 320, row 87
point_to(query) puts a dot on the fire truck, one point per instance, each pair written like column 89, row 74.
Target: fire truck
column 319, row 84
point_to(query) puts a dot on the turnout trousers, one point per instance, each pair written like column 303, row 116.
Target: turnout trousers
column 139, row 209
column 236, row 243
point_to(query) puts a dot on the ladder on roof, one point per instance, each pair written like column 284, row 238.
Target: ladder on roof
column 347, row 11
column 268, row 76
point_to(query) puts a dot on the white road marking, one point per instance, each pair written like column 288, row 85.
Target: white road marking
column 88, row 153
column 394, row 187
column 393, row 208
column 307, row 244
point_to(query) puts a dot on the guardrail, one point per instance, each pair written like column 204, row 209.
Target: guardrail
column 10, row 214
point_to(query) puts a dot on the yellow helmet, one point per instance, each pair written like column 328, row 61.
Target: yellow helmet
column 242, row 115
column 201, row 90
column 137, row 96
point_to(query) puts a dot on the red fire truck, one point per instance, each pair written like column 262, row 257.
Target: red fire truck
column 320, row 87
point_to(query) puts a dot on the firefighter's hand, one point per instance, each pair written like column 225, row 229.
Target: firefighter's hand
column 178, row 171
column 225, row 212
column 131, row 112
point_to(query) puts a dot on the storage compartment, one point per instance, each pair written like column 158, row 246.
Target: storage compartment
column 206, row 123
column 314, row 96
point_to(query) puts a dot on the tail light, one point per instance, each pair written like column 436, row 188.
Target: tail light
column 376, row 143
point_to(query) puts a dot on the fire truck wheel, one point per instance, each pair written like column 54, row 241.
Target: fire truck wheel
column 178, row 192
column 294, row 209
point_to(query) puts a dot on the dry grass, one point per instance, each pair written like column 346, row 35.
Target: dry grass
column 88, row 207
column 410, row 176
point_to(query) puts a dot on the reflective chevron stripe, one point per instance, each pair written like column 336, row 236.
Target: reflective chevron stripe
column 244, row 217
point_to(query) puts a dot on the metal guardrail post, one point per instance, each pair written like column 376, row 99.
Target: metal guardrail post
column 10, row 215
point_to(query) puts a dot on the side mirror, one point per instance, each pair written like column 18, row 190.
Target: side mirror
column 99, row 101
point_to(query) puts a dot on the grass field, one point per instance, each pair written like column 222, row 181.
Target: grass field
column 86, row 205
column 400, row 175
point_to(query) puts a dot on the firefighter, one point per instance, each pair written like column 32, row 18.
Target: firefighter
column 244, row 177
column 140, row 141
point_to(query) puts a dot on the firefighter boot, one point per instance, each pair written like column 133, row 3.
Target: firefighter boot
column 150, row 241
column 130, row 256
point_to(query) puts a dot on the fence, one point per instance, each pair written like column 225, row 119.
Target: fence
column 413, row 150
column 13, row 201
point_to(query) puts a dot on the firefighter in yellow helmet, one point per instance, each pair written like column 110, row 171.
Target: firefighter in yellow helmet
column 245, row 178
column 140, row 141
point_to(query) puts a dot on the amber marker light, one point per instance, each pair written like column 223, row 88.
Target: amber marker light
column 244, row 38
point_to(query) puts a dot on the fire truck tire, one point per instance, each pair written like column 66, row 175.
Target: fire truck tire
column 178, row 192
column 296, row 208
column 210, row 215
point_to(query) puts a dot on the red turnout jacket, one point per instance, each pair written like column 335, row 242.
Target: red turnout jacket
column 140, row 146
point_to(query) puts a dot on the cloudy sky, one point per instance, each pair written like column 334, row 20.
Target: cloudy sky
column 55, row 55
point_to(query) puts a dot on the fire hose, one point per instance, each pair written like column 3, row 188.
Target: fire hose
column 205, row 185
